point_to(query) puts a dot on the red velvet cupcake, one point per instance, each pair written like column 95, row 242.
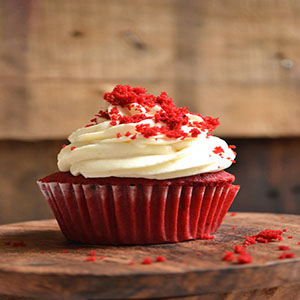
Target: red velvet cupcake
column 143, row 172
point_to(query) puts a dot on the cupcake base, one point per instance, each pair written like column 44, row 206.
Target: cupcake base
column 119, row 211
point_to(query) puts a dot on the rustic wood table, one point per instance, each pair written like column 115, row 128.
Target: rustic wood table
column 36, row 262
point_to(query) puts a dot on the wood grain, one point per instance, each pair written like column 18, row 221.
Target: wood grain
column 55, row 274
column 235, row 61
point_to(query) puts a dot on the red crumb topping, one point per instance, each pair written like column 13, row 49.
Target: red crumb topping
column 64, row 146
column 169, row 118
column 284, row 230
column 290, row 237
column 228, row 256
column 198, row 253
column 102, row 256
column 282, row 247
column 218, row 150
column 147, row 261
column 233, row 214
column 72, row 148
column 92, row 253
column 64, row 251
column 233, row 227
column 298, row 243
column 244, row 258
column 286, row 255
column 90, row 258
column 42, row 252
column 131, row 263
column 160, row 259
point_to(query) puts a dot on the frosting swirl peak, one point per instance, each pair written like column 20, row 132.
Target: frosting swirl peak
column 136, row 134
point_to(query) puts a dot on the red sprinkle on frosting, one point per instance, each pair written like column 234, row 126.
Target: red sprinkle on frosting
column 169, row 118
column 72, row 148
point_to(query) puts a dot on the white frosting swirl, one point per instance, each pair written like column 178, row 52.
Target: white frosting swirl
column 104, row 150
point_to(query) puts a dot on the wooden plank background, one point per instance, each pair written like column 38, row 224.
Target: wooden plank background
column 239, row 60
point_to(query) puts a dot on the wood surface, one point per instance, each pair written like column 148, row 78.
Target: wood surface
column 267, row 171
column 62, row 272
column 237, row 60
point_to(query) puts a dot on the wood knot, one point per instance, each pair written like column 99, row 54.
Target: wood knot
column 77, row 33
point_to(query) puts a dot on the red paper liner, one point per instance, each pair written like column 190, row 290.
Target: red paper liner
column 137, row 214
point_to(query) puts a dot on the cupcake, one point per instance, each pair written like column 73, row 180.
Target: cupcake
column 142, row 172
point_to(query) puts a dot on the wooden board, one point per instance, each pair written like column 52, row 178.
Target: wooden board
column 62, row 272
column 235, row 61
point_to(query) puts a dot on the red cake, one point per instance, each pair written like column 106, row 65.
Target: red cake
column 98, row 196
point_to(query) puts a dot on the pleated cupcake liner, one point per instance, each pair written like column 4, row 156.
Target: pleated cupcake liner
column 137, row 214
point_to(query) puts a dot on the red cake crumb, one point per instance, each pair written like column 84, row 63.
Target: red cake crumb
column 102, row 257
column 239, row 249
column 131, row 263
column 72, row 148
column 90, row 258
column 298, row 243
column 282, row 247
column 244, row 258
column 64, row 251
column 228, row 256
column 290, row 237
column 232, row 214
column 160, row 259
column 92, row 253
column 283, row 230
column 42, row 252
column 218, row 150
column 64, row 146
column 171, row 117
column 233, row 227
column 198, row 253
column 265, row 236
column 147, row 261
column 208, row 237
column 19, row 244
column 286, row 255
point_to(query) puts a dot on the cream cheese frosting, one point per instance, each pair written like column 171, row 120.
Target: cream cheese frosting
column 139, row 135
